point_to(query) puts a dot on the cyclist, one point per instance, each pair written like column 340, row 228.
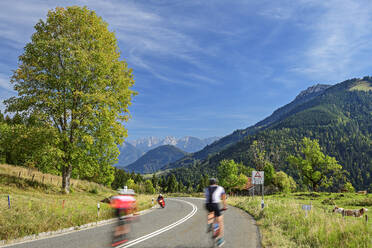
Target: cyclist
column 213, row 195
column 124, row 204
column 160, row 197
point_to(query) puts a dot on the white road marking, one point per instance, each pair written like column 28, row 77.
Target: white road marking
column 164, row 229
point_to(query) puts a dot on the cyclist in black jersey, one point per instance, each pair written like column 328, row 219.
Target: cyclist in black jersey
column 213, row 195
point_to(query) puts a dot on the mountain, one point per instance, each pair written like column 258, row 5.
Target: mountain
column 134, row 149
column 192, row 144
column 338, row 116
column 303, row 97
column 128, row 154
column 155, row 159
column 238, row 135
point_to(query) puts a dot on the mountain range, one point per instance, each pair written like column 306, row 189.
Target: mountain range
column 132, row 150
column 338, row 116
column 155, row 159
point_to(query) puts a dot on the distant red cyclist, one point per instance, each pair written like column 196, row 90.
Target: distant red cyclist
column 161, row 201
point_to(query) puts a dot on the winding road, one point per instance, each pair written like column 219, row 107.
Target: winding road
column 181, row 224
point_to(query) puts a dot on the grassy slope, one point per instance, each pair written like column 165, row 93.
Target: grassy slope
column 38, row 207
column 283, row 222
column 363, row 86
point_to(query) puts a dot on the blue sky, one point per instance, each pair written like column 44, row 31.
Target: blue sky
column 206, row 68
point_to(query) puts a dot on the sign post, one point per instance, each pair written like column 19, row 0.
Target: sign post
column 258, row 178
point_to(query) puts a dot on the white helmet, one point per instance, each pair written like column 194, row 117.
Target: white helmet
column 126, row 191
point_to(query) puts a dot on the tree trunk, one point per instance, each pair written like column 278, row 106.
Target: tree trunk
column 66, row 175
column 315, row 187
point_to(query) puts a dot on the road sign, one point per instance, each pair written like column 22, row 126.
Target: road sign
column 258, row 177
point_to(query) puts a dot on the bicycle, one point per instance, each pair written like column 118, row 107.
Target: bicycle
column 215, row 231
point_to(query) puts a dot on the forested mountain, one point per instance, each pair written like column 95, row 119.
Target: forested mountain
column 239, row 135
column 130, row 151
column 128, row 154
column 340, row 117
column 155, row 159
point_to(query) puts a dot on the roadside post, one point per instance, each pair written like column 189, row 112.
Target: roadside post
column 8, row 201
column 258, row 178
column 98, row 207
column 306, row 208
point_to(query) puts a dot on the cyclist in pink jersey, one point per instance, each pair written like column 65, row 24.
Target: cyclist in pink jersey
column 124, row 204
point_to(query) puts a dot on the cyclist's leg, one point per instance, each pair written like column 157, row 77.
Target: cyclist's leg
column 219, row 219
column 220, row 224
column 122, row 223
column 210, row 217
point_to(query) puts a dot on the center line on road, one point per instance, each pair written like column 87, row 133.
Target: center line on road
column 164, row 229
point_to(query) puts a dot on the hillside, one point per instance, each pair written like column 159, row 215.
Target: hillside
column 340, row 118
column 128, row 154
column 155, row 159
column 37, row 204
column 239, row 135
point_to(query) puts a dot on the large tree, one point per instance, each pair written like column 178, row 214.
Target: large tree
column 316, row 168
column 71, row 76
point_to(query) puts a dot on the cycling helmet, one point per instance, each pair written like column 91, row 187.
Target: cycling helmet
column 126, row 191
column 213, row 181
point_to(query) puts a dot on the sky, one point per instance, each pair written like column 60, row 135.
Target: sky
column 206, row 68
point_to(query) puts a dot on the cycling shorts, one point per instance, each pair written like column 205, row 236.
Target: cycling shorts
column 213, row 207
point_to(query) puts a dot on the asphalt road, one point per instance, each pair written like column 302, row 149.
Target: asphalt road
column 181, row 224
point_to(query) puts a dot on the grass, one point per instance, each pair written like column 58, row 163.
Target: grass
column 363, row 86
column 283, row 223
column 37, row 204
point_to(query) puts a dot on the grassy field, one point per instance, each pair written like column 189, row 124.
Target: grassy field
column 283, row 223
column 363, row 86
column 38, row 206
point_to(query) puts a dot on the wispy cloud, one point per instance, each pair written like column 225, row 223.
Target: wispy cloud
column 339, row 38
column 5, row 83
column 145, row 34
column 18, row 18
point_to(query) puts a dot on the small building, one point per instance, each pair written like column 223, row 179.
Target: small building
column 246, row 190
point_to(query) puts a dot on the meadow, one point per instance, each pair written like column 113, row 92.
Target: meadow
column 283, row 222
column 37, row 204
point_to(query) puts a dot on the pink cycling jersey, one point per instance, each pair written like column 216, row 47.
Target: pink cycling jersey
column 123, row 201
